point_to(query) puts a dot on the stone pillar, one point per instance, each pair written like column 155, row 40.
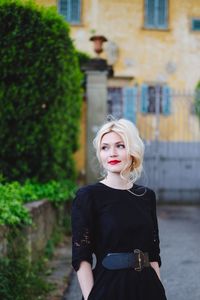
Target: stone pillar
column 96, row 115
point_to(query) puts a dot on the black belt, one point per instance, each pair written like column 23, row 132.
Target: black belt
column 136, row 260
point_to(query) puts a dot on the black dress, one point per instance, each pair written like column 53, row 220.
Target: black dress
column 106, row 220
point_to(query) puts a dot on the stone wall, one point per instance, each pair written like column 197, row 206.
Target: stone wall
column 45, row 218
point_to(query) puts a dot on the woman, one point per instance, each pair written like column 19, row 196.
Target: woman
column 115, row 219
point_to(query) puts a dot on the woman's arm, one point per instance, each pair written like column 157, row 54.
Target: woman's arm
column 85, row 278
column 155, row 266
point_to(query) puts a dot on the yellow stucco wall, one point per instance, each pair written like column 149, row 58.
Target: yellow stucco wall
column 170, row 56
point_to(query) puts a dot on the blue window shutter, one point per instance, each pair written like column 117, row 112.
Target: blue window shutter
column 63, row 8
column 150, row 13
column 162, row 13
column 144, row 98
column 130, row 103
column 71, row 10
column 75, row 11
column 156, row 13
column 196, row 24
column 166, row 101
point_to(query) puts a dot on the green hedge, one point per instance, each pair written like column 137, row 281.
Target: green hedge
column 40, row 95
column 83, row 58
column 14, row 195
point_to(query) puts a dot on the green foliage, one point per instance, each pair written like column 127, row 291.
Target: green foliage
column 67, row 224
column 53, row 191
column 12, row 210
column 83, row 58
column 50, row 248
column 19, row 279
column 40, row 96
column 56, row 237
column 14, row 195
column 197, row 99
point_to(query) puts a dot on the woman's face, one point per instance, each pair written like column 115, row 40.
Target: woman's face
column 113, row 154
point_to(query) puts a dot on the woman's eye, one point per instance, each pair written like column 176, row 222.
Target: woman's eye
column 104, row 148
column 121, row 146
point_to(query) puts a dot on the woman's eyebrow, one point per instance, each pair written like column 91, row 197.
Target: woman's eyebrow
column 120, row 142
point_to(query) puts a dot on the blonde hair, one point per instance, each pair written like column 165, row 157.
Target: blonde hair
column 133, row 143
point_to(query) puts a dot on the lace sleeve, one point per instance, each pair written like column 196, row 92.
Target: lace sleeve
column 82, row 229
column 154, row 254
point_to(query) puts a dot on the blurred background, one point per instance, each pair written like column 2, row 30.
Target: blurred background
column 65, row 66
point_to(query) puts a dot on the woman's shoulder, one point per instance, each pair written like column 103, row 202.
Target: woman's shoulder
column 89, row 190
column 89, row 187
column 86, row 195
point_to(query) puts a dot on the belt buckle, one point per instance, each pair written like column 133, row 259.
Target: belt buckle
column 140, row 256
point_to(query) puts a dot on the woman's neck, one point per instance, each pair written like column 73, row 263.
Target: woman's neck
column 114, row 180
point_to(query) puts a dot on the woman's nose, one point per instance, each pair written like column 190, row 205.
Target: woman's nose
column 113, row 151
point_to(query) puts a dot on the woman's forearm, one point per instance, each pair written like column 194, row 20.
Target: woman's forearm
column 85, row 278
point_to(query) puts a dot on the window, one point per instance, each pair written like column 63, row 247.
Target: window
column 122, row 102
column 156, row 14
column 196, row 24
column 155, row 99
column 115, row 102
column 71, row 10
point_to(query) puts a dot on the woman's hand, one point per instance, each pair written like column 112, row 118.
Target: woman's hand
column 155, row 266
column 85, row 278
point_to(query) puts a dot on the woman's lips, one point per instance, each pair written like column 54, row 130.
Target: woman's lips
column 114, row 162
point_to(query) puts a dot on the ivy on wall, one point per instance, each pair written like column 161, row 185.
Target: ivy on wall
column 13, row 196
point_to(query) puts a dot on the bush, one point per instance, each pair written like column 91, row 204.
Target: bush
column 14, row 195
column 197, row 99
column 40, row 95
column 83, row 59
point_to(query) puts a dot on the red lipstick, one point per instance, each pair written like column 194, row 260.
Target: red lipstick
column 114, row 162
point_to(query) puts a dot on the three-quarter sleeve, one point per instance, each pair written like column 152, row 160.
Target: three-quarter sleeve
column 82, row 228
column 154, row 254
